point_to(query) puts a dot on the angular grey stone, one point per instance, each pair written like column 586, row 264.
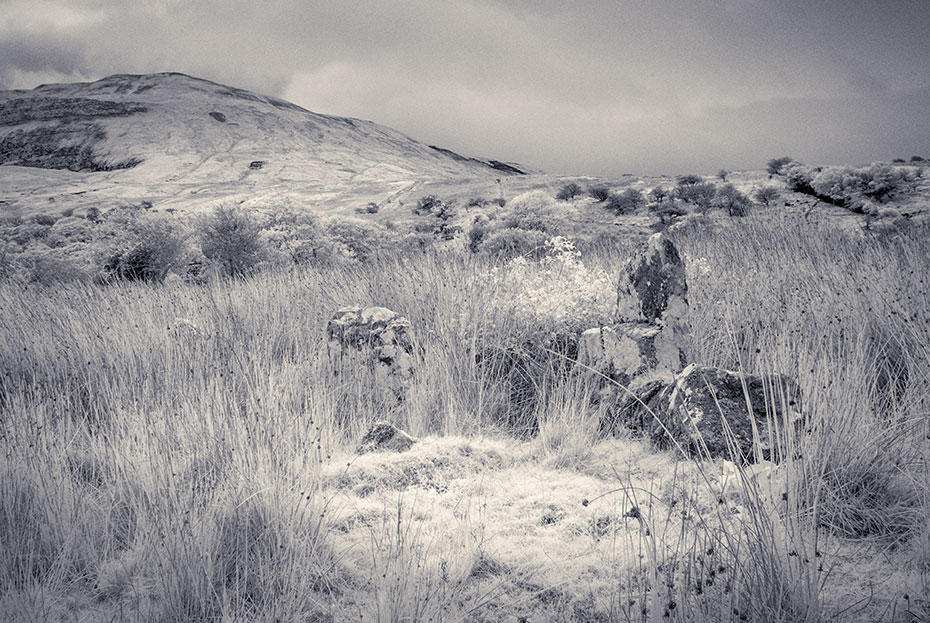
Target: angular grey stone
column 652, row 284
column 692, row 410
column 385, row 437
column 632, row 353
column 375, row 338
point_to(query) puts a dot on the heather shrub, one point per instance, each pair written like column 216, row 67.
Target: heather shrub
column 478, row 233
column 230, row 238
column 568, row 192
column 600, row 193
column 626, row 202
column 776, row 166
column 24, row 233
column 369, row 208
column 917, row 159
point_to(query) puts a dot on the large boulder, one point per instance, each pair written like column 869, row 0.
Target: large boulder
column 374, row 338
column 632, row 353
column 704, row 407
column 652, row 284
column 385, row 437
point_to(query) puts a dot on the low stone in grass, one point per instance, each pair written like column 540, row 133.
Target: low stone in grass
column 385, row 437
column 703, row 402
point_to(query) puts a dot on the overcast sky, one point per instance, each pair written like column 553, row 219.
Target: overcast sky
column 598, row 87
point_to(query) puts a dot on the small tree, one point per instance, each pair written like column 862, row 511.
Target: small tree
column 722, row 174
column 689, row 180
column 765, row 195
column 698, row 194
column 569, row 192
column 626, row 202
column 231, row 238
column 775, row 166
column 732, row 201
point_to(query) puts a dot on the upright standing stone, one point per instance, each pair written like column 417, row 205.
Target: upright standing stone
column 652, row 286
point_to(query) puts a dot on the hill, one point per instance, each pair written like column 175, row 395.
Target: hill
column 185, row 142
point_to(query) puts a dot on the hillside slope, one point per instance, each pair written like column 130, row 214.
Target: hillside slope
column 185, row 142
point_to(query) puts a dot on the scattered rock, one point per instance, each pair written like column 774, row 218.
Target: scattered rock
column 218, row 116
column 652, row 284
column 632, row 353
column 375, row 338
column 384, row 437
column 256, row 164
column 692, row 410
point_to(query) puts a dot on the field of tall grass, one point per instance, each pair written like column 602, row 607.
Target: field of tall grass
column 183, row 452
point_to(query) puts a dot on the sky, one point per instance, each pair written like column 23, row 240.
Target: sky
column 586, row 87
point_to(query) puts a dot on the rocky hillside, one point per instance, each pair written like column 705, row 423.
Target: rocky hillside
column 185, row 142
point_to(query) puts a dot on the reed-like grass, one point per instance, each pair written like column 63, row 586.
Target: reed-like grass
column 164, row 449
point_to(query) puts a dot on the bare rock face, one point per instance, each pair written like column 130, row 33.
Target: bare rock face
column 652, row 284
column 691, row 411
column 384, row 437
column 374, row 338
column 632, row 353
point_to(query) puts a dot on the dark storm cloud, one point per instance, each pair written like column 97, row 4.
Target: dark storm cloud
column 581, row 87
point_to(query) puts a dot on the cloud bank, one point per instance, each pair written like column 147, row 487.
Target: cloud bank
column 596, row 87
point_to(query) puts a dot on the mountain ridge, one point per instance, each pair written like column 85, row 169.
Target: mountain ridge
column 166, row 137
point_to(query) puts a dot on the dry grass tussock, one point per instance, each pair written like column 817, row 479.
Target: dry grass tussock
column 182, row 452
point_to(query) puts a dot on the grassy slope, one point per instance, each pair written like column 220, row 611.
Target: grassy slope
column 181, row 452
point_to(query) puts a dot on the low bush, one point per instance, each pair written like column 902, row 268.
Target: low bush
column 626, row 202
column 766, row 195
column 231, row 239
column 698, row 194
column 511, row 242
column 568, row 192
column 137, row 246
column 798, row 177
column 359, row 240
column 534, row 210
column 600, row 193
